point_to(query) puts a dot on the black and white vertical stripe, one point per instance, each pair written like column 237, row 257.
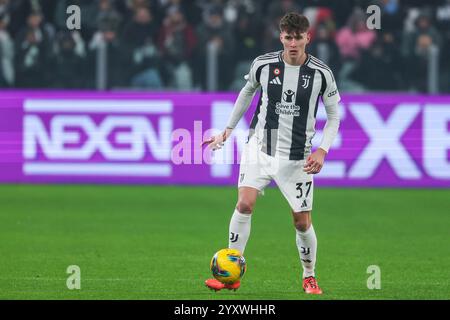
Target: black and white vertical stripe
column 288, row 135
column 274, row 92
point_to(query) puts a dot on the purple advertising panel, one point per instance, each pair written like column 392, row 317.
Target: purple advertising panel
column 155, row 138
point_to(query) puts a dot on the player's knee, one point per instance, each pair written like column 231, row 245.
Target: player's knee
column 302, row 225
column 244, row 206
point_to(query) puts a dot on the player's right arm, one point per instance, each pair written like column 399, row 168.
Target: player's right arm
column 241, row 105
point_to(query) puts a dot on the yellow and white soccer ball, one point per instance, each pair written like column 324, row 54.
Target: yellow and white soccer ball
column 228, row 265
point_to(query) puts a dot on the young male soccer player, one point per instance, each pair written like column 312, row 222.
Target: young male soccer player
column 279, row 144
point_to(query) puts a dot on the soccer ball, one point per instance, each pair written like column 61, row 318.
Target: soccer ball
column 228, row 266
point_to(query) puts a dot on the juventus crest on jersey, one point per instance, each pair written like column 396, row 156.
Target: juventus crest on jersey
column 285, row 117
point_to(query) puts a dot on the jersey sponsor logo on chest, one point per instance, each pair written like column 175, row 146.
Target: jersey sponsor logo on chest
column 287, row 108
column 289, row 96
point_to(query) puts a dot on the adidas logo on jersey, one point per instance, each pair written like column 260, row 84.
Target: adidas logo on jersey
column 275, row 80
column 304, row 204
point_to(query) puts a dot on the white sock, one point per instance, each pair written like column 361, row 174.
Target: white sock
column 239, row 230
column 307, row 249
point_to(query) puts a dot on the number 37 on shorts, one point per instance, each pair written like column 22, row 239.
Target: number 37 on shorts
column 304, row 189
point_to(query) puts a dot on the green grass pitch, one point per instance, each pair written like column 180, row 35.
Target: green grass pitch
column 150, row 242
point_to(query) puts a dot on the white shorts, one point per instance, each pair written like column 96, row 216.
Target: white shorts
column 257, row 169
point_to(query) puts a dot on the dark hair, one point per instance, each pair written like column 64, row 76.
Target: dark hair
column 294, row 22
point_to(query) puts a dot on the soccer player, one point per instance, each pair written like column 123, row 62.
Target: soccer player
column 279, row 144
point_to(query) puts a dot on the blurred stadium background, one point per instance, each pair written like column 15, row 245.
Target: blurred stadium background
column 166, row 44
column 140, row 226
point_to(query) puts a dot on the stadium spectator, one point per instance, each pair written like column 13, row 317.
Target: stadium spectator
column 351, row 40
column 69, row 61
column 177, row 42
column 325, row 48
column 234, row 9
column 322, row 17
column 380, row 68
column 6, row 53
column 392, row 16
column 33, row 48
column 190, row 9
column 355, row 36
column 93, row 13
column 247, row 33
column 4, row 8
column 341, row 10
column 107, row 37
column 442, row 18
column 251, row 25
column 141, row 52
column 271, row 37
column 19, row 10
column 277, row 9
column 423, row 26
column 135, row 4
column 418, row 44
column 129, row 7
column 215, row 33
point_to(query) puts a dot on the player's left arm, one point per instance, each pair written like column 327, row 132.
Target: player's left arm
column 331, row 98
column 241, row 105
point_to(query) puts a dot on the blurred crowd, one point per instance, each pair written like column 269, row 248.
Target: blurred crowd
column 162, row 44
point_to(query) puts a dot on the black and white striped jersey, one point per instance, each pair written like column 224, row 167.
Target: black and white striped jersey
column 285, row 117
